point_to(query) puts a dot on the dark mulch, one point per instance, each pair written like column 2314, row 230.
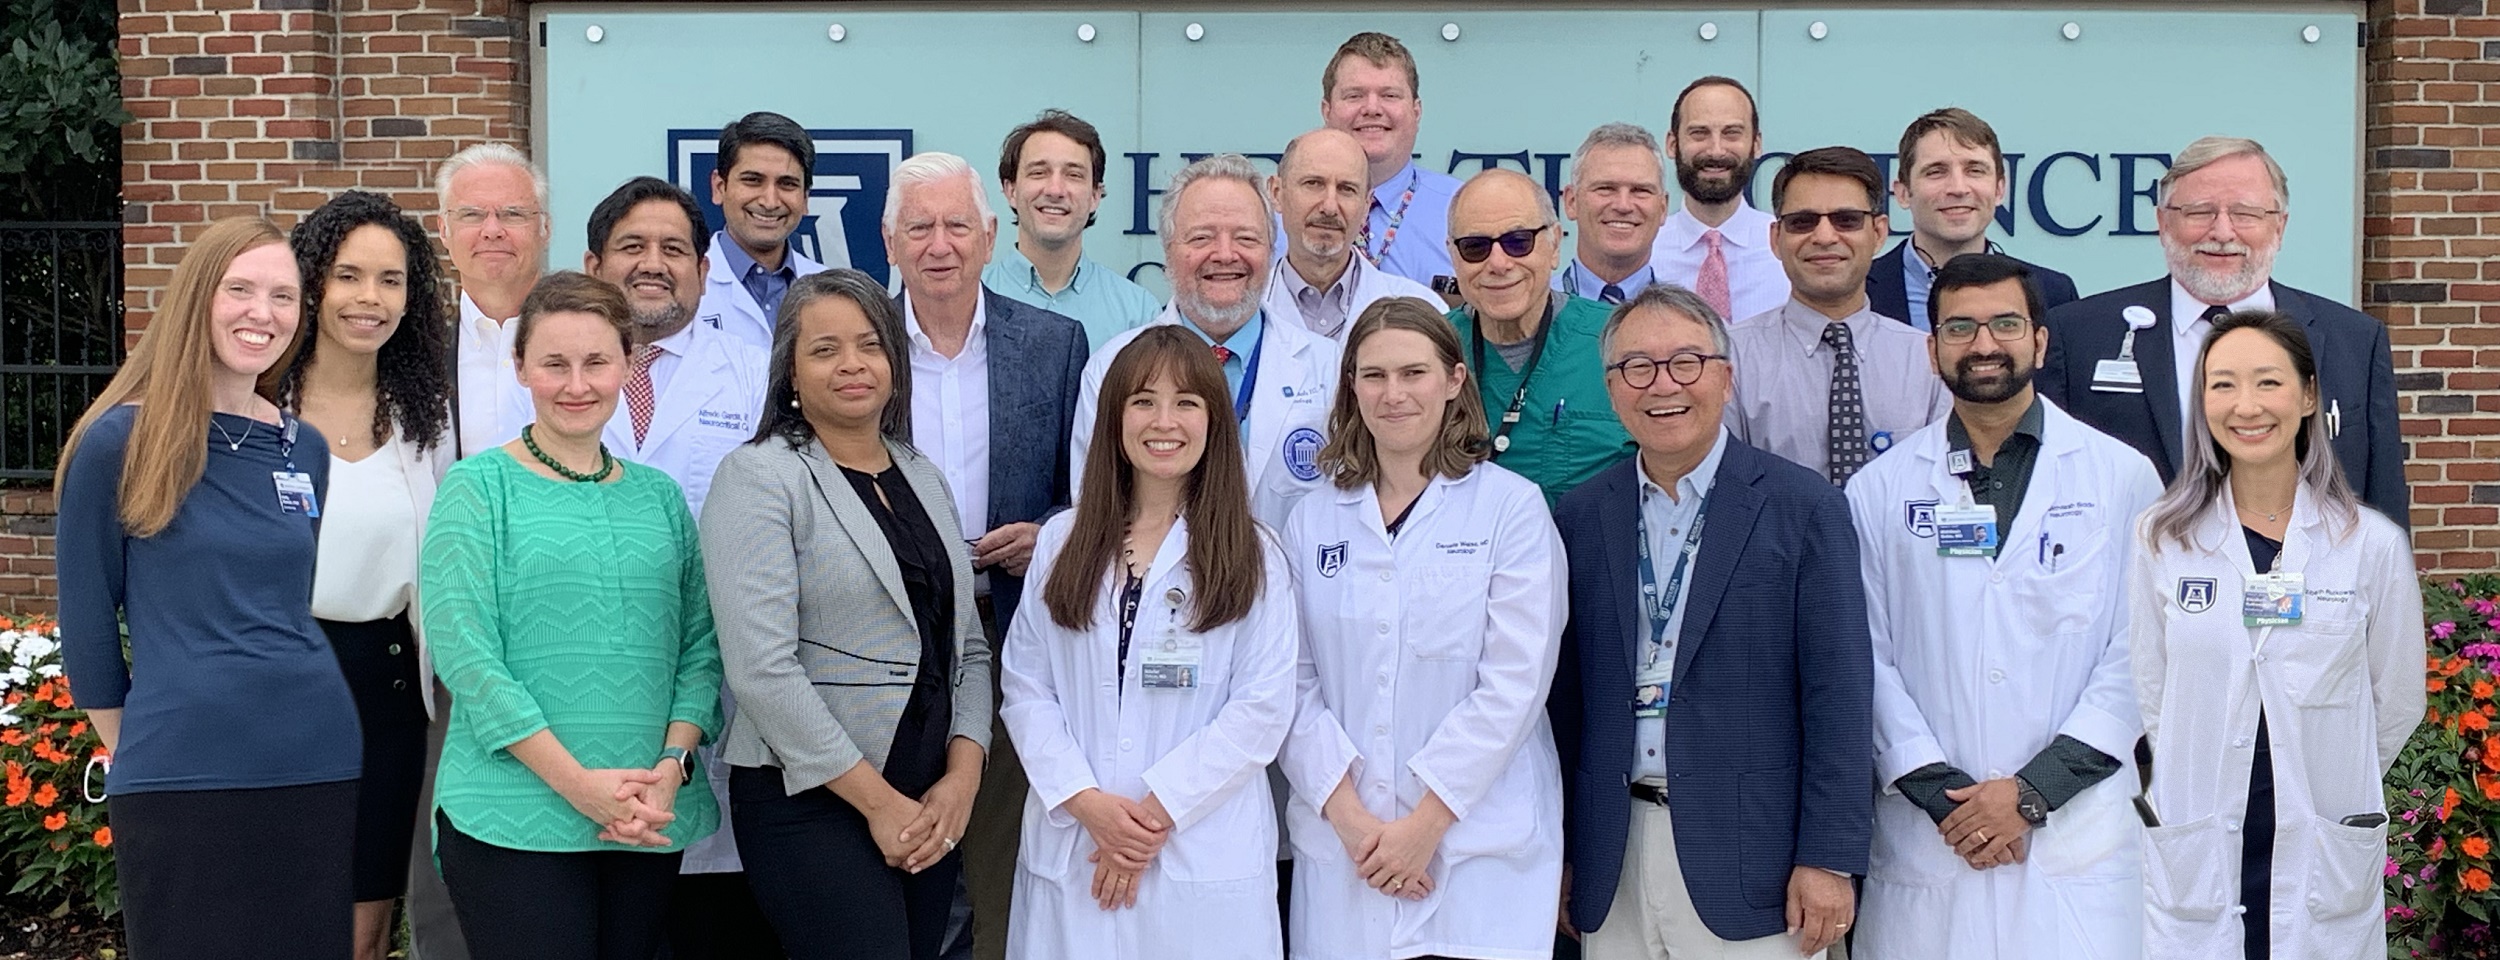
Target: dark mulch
column 38, row 936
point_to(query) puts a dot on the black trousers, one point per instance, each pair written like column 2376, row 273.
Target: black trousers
column 713, row 916
column 820, row 878
column 379, row 659
column 527, row 905
column 242, row 874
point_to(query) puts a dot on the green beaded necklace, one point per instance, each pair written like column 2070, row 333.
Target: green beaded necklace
column 607, row 464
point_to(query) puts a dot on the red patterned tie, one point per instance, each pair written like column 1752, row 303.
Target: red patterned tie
column 1222, row 356
column 638, row 398
column 1712, row 283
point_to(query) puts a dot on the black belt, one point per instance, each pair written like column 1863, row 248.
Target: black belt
column 1649, row 794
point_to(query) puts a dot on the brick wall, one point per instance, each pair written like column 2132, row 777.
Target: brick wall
column 2431, row 260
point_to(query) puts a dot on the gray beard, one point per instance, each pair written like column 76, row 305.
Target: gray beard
column 660, row 323
column 1206, row 315
column 2212, row 287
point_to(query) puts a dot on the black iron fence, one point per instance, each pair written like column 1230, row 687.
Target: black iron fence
column 60, row 335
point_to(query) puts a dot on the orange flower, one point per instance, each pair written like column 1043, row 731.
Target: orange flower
column 61, row 699
column 2490, row 786
column 2476, row 847
column 2434, row 685
column 2482, row 689
column 2448, row 804
column 78, row 729
column 47, row 729
column 103, row 836
column 43, row 691
column 12, row 737
column 14, row 698
column 2476, row 880
column 56, row 821
column 2491, row 754
column 2471, row 720
column 46, row 795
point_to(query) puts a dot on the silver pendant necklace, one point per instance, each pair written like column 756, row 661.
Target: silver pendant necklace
column 232, row 445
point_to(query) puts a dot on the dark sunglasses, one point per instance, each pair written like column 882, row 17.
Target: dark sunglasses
column 1515, row 244
column 1803, row 222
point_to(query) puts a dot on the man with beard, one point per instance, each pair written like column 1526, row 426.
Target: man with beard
column 1319, row 282
column 1827, row 383
column 1718, row 245
column 1951, row 178
column 1617, row 199
column 1371, row 90
column 1995, row 550
column 766, row 163
column 693, row 392
column 1051, row 173
column 2125, row 360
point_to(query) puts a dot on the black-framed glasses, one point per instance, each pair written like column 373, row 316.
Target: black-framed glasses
column 2006, row 329
column 1683, row 368
column 1515, row 244
column 1803, row 222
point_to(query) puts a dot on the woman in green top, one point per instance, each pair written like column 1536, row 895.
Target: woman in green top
column 563, row 592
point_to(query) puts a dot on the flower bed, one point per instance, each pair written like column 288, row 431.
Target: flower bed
column 52, row 840
column 2445, row 789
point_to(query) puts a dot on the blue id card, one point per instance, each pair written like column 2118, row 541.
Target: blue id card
column 1966, row 531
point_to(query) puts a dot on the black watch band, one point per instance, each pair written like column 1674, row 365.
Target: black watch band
column 2028, row 802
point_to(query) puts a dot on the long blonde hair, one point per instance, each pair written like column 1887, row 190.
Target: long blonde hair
column 167, row 374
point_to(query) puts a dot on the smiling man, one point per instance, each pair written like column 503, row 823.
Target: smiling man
column 1717, row 245
column 494, row 223
column 2224, row 207
column 766, row 164
column 1051, row 172
column 1951, row 178
column 1371, row 90
column 1829, row 384
column 1320, row 282
column 1617, row 200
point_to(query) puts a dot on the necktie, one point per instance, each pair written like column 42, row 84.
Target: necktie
column 1846, row 444
column 638, row 398
column 2188, row 355
column 1222, row 356
column 1612, row 294
column 1363, row 234
column 1712, row 283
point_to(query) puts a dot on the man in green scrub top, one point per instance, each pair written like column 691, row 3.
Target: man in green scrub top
column 1532, row 349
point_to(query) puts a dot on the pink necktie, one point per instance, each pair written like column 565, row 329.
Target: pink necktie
column 1712, row 284
column 638, row 399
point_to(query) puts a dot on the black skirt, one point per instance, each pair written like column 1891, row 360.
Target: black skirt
column 379, row 658
column 244, row 874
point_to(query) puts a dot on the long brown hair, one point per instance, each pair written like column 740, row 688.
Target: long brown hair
column 167, row 374
column 1223, row 552
column 1349, row 457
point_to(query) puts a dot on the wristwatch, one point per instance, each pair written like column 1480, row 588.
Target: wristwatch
column 2029, row 803
column 685, row 762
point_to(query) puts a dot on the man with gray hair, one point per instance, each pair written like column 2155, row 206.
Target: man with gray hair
column 1217, row 221
column 494, row 221
column 1319, row 282
column 2125, row 360
column 994, row 387
column 1617, row 200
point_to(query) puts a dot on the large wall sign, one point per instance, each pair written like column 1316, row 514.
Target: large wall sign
column 2090, row 103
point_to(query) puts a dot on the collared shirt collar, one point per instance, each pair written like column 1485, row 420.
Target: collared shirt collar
column 1692, row 486
column 1021, row 267
column 678, row 344
column 1747, row 227
column 1805, row 324
column 2033, row 422
column 2184, row 306
column 1586, row 284
column 472, row 317
column 1241, row 340
column 920, row 340
column 1340, row 293
column 1390, row 190
column 741, row 265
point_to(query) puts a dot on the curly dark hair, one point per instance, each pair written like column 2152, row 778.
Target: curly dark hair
column 412, row 371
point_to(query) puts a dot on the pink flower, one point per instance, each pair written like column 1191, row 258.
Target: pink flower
column 2391, row 866
column 2444, row 629
column 2479, row 606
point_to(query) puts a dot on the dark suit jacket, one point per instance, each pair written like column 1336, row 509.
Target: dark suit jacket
column 1886, row 295
column 1769, row 718
column 1036, row 360
column 2356, row 378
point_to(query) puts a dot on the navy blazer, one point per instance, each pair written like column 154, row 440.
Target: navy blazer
column 2356, row 378
column 1769, row 720
column 1036, row 361
column 1886, row 295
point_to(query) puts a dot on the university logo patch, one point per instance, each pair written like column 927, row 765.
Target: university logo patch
column 1302, row 453
column 840, row 227
column 1920, row 515
column 2196, row 594
column 1332, row 558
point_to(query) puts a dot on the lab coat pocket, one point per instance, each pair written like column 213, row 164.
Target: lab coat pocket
column 1236, row 842
column 2189, row 869
column 2322, row 662
column 2346, row 867
column 2058, row 582
column 1445, row 610
column 1048, row 850
column 1504, row 822
column 2094, row 834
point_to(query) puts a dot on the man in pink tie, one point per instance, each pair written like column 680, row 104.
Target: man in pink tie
column 1717, row 244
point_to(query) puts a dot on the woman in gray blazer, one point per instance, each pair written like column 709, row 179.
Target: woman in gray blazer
column 850, row 641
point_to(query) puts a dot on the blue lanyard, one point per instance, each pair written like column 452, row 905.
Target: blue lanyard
column 1249, row 376
column 1661, row 607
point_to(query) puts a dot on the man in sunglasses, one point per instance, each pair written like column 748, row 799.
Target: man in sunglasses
column 1829, row 384
column 1951, row 178
column 2125, row 361
column 1532, row 349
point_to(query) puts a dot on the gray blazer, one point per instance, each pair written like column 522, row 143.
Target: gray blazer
column 816, row 634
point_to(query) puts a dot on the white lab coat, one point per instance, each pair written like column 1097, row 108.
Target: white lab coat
column 2341, row 691
column 1288, row 420
column 1981, row 662
column 728, row 306
column 1079, row 723
column 1371, row 284
column 1425, row 663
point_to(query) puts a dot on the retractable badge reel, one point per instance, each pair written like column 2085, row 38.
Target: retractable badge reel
column 2120, row 374
column 1171, row 661
column 1965, row 529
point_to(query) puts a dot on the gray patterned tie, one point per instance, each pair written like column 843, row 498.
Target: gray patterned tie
column 1612, row 294
column 1846, row 444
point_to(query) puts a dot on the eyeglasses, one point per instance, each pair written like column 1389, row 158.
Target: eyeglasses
column 508, row 216
column 1961, row 330
column 1803, row 222
column 1683, row 368
column 2202, row 215
column 1515, row 244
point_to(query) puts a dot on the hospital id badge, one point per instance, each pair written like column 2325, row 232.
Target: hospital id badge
column 2117, row 376
column 2272, row 600
column 1649, row 689
column 1966, row 531
column 1171, row 663
column 295, row 492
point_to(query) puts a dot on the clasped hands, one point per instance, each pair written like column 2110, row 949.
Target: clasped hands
column 1987, row 830
column 1128, row 834
column 1393, row 856
column 632, row 806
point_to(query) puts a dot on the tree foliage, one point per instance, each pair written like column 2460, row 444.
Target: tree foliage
column 60, row 110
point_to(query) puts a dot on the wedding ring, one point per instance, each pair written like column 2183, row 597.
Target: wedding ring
column 1397, row 884
column 950, row 844
column 1983, row 837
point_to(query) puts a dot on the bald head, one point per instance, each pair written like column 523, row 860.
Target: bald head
column 1322, row 186
column 1507, row 290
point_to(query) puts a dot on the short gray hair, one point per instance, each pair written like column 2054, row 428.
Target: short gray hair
column 1222, row 166
column 1619, row 135
column 2207, row 151
column 482, row 155
column 934, row 167
column 1665, row 296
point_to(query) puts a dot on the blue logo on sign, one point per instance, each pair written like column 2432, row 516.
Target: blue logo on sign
column 844, row 205
column 1302, row 453
column 1921, row 518
column 2196, row 594
column 1332, row 558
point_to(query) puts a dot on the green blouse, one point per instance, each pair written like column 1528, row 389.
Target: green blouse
column 573, row 607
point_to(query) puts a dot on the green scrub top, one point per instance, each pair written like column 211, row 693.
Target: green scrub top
column 1567, row 430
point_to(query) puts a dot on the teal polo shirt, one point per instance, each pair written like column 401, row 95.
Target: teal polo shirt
column 1098, row 297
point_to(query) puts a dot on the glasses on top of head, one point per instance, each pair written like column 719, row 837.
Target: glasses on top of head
column 508, row 216
column 1802, row 222
column 1683, row 368
column 1515, row 244
column 2202, row 215
column 2005, row 329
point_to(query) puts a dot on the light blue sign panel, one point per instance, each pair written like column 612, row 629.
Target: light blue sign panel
column 2088, row 123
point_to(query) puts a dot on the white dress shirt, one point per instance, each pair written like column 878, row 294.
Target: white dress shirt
column 950, row 413
column 489, row 390
column 1755, row 280
column 366, row 558
column 2187, row 339
column 1667, row 521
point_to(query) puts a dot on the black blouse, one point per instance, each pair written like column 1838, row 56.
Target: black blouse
column 918, row 758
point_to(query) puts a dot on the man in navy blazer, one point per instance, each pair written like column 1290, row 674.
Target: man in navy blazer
column 1951, row 176
column 2222, row 217
column 1718, row 786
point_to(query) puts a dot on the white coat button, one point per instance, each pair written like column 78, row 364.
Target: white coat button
column 2230, row 826
column 1380, row 731
column 1996, row 578
column 1386, row 576
column 2239, row 741
column 1996, row 676
column 1994, row 774
column 1124, row 743
column 1384, row 626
